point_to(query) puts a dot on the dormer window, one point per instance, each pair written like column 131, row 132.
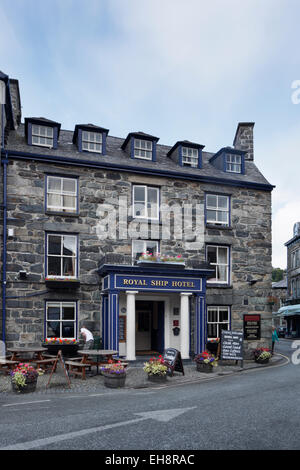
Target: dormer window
column 234, row 163
column 140, row 146
column 90, row 138
column 92, row 141
column 42, row 135
column 42, row 132
column 229, row 160
column 186, row 153
column 143, row 149
column 190, row 157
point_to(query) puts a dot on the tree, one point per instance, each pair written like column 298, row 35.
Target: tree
column 277, row 274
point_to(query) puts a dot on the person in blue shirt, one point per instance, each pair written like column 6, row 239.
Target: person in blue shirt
column 274, row 338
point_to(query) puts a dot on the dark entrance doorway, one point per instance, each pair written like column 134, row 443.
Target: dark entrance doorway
column 149, row 329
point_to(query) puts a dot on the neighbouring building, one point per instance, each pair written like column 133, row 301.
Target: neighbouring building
column 290, row 312
column 151, row 246
column 278, row 300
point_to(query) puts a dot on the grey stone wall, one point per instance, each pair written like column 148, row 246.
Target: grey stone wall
column 249, row 239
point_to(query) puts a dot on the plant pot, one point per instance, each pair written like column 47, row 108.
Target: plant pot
column 262, row 361
column 203, row 367
column 114, row 380
column 157, row 378
column 29, row 387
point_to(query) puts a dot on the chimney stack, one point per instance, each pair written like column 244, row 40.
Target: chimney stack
column 243, row 139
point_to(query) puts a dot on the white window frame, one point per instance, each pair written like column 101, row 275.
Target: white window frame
column 217, row 209
column 145, row 247
column 36, row 134
column 146, row 216
column 218, row 322
column 62, row 256
column 61, row 193
column 190, row 160
column 141, row 146
column 60, row 305
column 233, row 163
column 227, row 265
column 90, row 140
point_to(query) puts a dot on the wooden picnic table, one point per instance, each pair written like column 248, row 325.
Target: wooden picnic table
column 94, row 357
column 18, row 352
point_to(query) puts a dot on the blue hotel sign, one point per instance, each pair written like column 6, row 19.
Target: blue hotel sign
column 157, row 283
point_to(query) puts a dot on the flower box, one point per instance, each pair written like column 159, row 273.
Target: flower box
column 114, row 380
column 157, row 378
column 62, row 283
column 67, row 349
column 203, row 367
column 167, row 264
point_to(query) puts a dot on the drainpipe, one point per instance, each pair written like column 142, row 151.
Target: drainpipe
column 5, row 162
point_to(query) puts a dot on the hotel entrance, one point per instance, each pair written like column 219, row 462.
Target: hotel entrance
column 149, row 327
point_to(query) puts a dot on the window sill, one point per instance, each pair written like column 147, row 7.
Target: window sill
column 62, row 283
column 144, row 221
column 63, row 214
column 218, row 285
column 218, row 227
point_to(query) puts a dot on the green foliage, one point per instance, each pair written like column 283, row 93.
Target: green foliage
column 277, row 274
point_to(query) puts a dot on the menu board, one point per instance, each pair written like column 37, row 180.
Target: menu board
column 252, row 327
column 232, row 345
column 172, row 359
column 122, row 328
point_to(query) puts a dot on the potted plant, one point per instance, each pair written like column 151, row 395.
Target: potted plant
column 114, row 375
column 205, row 362
column 156, row 369
column 262, row 355
column 24, row 378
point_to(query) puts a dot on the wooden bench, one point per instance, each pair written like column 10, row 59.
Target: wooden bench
column 7, row 365
column 46, row 364
column 77, row 368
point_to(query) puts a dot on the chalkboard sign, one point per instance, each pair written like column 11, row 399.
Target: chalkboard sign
column 59, row 358
column 172, row 359
column 251, row 327
column 122, row 329
column 232, row 345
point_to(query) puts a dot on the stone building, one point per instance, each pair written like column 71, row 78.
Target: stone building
column 291, row 310
column 148, row 245
column 278, row 300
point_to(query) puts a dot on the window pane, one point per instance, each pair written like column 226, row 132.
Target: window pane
column 68, row 329
column 53, row 313
column 222, row 255
column 54, row 184
column 54, row 245
column 138, row 248
column 211, row 254
column 43, row 130
column 69, row 266
column 69, row 185
column 68, row 312
column 54, row 266
column 211, row 216
column 139, row 193
column 53, row 330
column 211, row 200
column 69, row 245
column 223, row 315
column 223, row 202
column 222, row 273
column 212, row 315
column 212, row 330
column 152, row 247
column 54, row 200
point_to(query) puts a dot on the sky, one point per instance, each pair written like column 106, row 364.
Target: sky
column 176, row 69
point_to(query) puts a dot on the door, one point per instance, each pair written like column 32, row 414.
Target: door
column 158, row 330
column 143, row 330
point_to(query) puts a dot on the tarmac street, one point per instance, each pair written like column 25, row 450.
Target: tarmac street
column 254, row 409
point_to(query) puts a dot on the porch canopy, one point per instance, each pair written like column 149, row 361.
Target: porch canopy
column 289, row 310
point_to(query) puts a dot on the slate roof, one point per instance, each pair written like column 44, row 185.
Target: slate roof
column 115, row 155
column 280, row 284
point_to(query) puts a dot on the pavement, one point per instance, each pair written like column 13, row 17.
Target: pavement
column 136, row 378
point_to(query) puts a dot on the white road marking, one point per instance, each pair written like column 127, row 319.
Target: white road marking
column 160, row 415
column 26, row 403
